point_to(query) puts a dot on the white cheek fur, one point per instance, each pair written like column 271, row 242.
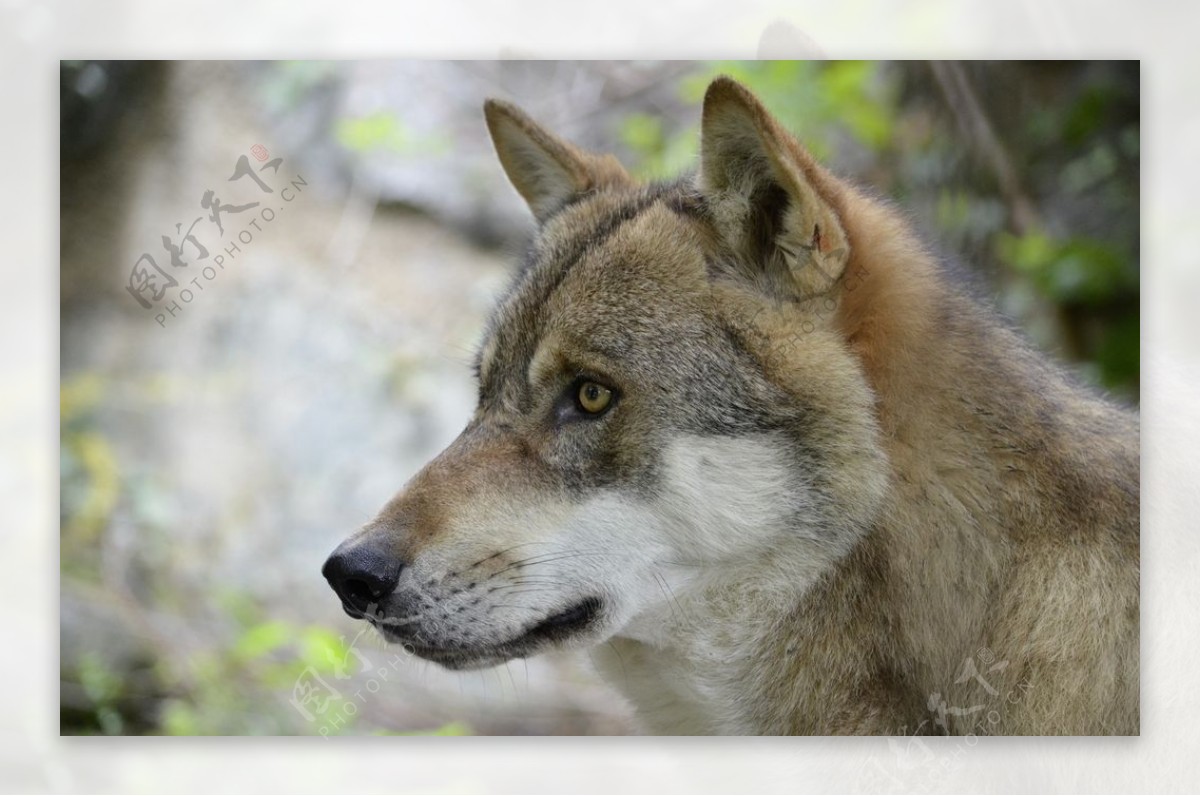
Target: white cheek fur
column 721, row 501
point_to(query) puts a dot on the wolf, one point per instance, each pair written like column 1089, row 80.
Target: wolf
column 744, row 437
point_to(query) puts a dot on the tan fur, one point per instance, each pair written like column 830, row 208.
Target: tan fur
column 875, row 511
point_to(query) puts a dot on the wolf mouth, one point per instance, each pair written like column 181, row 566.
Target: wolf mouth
column 556, row 627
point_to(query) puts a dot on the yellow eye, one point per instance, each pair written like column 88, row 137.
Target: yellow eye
column 593, row 398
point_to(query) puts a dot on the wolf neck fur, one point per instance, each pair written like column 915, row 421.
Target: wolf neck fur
column 921, row 577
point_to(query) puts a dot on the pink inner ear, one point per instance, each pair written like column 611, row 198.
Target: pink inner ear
column 818, row 242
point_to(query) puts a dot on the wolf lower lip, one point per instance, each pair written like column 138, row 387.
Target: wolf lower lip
column 565, row 622
column 553, row 628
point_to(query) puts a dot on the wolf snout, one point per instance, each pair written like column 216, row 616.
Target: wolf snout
column 362, row 572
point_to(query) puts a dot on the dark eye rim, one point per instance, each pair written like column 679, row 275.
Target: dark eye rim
column 570, row 408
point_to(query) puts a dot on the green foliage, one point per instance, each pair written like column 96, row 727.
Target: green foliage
column 1082, row 272
column 1087, row 115
column 259, row 640
column 660, row 154
column 257, row 673
column 453, row 728
column 104, row 688
column 89, row 474
column 815, row 100
column 383, row 131
column 1091, row 169
column 1074, row 270
column 1119, row 353
column 239, row 687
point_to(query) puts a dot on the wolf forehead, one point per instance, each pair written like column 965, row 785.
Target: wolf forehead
column 609, row 274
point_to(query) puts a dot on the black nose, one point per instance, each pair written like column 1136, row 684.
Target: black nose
column 362, row 574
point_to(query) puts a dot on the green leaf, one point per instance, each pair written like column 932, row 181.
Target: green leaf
column 367, row 133
column 179, row 718
column 262, row 639
column 99, row 682
column 321, row 648
column 384, row 131
column 1119, row 354
column 453, row 728
column 1078, row 269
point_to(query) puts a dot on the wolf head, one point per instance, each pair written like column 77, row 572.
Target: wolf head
column 667, row 395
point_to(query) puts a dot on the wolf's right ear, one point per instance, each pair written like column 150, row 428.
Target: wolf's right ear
column 544, row 169
column 770, row 199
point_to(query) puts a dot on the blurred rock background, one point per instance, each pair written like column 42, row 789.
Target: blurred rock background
column 211, row 461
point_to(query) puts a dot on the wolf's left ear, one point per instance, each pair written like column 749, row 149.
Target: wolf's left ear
column 544, row 169
column 768, row 197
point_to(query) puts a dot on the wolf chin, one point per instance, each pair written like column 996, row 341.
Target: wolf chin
column 742, row 435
